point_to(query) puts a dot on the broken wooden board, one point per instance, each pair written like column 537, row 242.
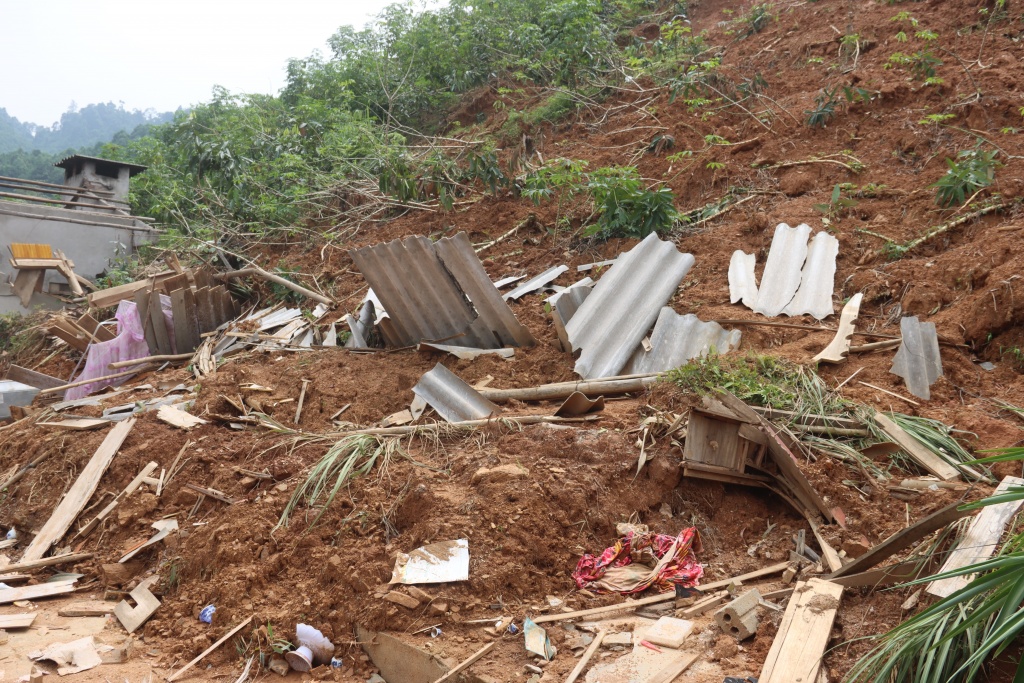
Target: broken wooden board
column 800, row 642
column 781, row 455
column 33, row 378
column 42, row 590
column 29, row 565
column 78, row 424
column 79, row 494
column 902, row 540
column 916, row 450
column 839, row 347
column 178, row 418
column 980, row 541
column 128, row 490
column 163, row 528
column 13, row 621
column 713, row 441
column 145, row 605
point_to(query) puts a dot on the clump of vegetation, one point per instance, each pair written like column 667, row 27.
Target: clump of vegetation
column 953, row 639
column 974, row 170
column 21, row 335
column 759, row 380
column 626, row 208
column 824, row 108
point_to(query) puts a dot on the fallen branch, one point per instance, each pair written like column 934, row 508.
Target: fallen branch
column 277, row 279
column 806, row 162
column 565, row 389
column 415, row 429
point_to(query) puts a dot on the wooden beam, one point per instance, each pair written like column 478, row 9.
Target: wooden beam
column 468, row 662
column 13, row 621
column 79, row 494
column 803, row 634
column 213, row 647
column 675, row 669
column 902, row 540
column 916, row 450
column 29, row 565
column 587, row 656
column 980, row 541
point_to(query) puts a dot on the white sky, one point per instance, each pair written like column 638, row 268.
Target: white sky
column 158, row 55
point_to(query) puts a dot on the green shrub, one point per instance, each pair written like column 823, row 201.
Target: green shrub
column 625, row 207
column 974, row 170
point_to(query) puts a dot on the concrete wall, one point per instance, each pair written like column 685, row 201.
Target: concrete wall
column 90, row 179
column 92, row 247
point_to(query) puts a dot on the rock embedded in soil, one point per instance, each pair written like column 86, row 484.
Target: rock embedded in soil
column 402, row 599
column 499, row 474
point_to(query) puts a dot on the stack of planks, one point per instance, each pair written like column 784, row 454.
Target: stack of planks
column 198, row 305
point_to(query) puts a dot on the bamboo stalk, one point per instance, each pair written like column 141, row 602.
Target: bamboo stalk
column 413, row 429
column 566, row 389
column 886, row 391
column 150, row 359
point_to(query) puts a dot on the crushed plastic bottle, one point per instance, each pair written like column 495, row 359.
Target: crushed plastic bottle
column 206, row 614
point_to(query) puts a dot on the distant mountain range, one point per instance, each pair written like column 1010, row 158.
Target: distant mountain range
column 76, row 128
column 28, row 150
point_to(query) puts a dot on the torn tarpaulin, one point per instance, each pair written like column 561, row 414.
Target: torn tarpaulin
column 640, row 560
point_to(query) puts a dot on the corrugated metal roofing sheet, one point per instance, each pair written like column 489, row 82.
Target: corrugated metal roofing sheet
column 917, row 360
column 676, row 339
column 535, row 283
column 742, row 283
column 817, row 280
column 781, row 276
column 465, row 352
column 453, row 399
column 624, row 305
column 438, row 291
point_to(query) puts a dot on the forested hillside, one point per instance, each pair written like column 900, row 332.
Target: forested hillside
column 28, row 150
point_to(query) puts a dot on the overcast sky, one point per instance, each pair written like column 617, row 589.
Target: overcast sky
column 156, row 54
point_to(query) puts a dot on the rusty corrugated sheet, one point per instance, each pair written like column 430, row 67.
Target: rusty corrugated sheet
column 917, row 360
column 438, row 291
column 453, row 399
column 677, row 339
column 781, row 276
column 817, row 279
column 624, row 305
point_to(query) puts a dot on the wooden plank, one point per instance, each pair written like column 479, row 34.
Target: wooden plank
column 21, row 250
column 25, row 283
column 192, row 320
column 980, row 541
column 79, row 494
column 114, row 295
column 156, row 314
column 142, row 306
column 70, row 332
column 87, row 608
column 42, row 590
column 781, row 455
column 24, row 263
column 712, row 473
column 587, row 656
column 29, row 565
column 78, row 424
column 675, row 669
column 128, row 490
column 12, row 621
column 176, row 281
column 468, row 662
column 203, row 277
column 33, row 378
column 799, row 645
column 888, row 575
column 916, row 450
column 210, row 649
column 902, row 540
column 221, row 304
column 182, row 338
column 204, row 310
column 98, row 332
